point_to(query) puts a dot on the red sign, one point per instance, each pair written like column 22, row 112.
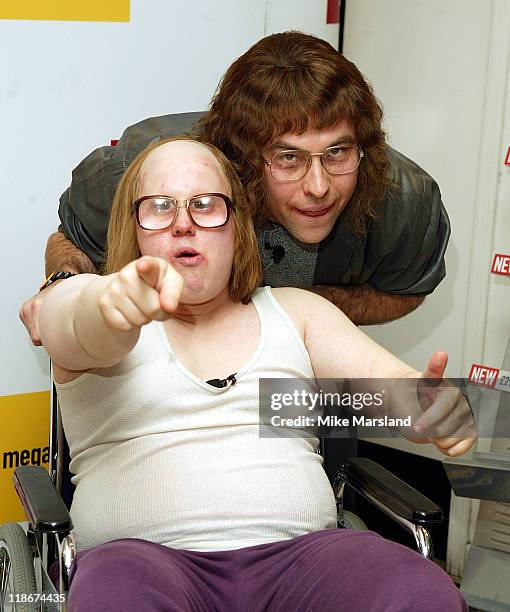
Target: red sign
column 501, row 264
column 507, row 160
column 333, row 14
column 483, row 375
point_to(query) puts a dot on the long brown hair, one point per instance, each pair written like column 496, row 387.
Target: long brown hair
column 290, row 83
column 122, row 245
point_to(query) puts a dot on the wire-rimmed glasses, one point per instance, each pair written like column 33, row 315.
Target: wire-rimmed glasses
column 293, row 164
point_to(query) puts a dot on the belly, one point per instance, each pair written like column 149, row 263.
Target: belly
column 210, row 489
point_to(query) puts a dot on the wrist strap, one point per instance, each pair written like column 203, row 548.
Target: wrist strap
column 54, row 277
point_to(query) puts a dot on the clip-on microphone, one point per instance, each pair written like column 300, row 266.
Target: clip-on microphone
column 223, row 382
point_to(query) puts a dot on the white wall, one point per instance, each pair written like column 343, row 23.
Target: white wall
column 498, row 302
column 69, row 87
column 438, row 68
column 305, row 15
column 441, row 70
column 427, row 62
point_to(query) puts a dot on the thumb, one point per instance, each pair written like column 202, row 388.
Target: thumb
column 436, row 365
column 428, row 389
column 149, row 270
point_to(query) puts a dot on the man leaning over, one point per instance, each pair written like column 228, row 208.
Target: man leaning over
column 337, row 210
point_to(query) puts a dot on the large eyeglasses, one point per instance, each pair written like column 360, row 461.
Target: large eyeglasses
column 156, row 212
column 293, row 164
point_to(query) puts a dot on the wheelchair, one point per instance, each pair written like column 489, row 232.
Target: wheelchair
column 26, row 558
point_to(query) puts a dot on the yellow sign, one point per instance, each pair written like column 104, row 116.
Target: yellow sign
column 24, row 437
column 66, row 10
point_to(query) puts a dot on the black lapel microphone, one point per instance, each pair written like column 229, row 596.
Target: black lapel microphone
column 223, row 382
column 278, row 252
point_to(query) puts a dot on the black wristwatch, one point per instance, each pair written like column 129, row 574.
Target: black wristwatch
column 55, row 276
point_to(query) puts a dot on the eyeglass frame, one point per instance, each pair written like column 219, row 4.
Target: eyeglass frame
column 310, row 155
column 135, row 209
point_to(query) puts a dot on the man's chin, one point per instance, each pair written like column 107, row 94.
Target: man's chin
column 310, row 235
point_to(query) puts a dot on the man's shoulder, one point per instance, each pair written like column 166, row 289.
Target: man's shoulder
column 408, row 182
column 147, row 130
column 412, row 197
column 134, row 139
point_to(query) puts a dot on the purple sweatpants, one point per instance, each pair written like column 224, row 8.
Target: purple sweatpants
column 335, row 569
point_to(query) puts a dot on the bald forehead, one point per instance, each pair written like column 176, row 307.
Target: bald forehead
column 180, row 152
column 179, row 165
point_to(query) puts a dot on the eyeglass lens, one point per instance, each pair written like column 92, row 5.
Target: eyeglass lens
column 288, row 165
column 159, row 213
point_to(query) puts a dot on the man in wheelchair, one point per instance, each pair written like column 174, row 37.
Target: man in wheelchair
column 180, row 504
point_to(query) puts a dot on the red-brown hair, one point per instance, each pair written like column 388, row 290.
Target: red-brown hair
column 290, row 83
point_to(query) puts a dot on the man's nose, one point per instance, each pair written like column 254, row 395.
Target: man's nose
column 316, row 181
column 182, row 225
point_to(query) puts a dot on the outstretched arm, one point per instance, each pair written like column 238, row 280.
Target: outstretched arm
column 365, row 305
column 94, row 321
column 338, row 349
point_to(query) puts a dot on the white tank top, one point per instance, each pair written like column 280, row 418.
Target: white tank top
column 161, row 455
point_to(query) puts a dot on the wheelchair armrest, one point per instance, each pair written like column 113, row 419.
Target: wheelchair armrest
column 388, row 492
column 44, row 508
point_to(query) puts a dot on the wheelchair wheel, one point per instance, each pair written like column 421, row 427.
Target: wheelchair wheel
column 17, row 574
column 353, row 521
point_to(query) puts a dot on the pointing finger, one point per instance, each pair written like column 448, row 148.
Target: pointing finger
column 149, row 270
column 171, row 289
